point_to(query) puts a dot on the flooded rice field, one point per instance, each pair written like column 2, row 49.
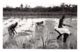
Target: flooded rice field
column 31, row 36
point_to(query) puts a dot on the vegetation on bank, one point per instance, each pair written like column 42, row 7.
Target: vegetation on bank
column 62, row 8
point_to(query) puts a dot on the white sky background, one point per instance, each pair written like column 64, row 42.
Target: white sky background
column 34, row 3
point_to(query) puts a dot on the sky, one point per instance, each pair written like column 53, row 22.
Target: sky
column 34, row 3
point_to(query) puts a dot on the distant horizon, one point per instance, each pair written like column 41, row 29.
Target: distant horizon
column 35, row 3
column 36, row 6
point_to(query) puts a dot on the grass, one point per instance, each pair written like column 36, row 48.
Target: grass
column 30, row 39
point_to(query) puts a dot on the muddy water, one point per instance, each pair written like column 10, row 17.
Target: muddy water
column 24, row 24
column 30, row 24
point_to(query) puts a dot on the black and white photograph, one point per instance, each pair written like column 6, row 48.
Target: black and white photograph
column 39, row 24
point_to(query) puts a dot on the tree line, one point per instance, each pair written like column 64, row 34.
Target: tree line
column 62, row 8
